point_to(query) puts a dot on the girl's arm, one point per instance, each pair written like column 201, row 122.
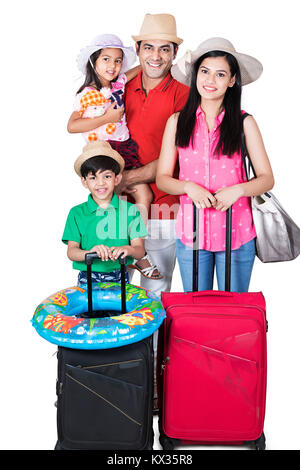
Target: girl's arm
column 79, row 124
column 264, row 180
column 165, row 170
column 130, row 74
column 167, row 161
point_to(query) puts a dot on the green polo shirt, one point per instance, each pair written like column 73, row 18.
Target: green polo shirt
column 90, row 225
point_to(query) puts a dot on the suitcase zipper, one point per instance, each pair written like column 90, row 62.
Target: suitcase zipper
column 59, row 385
column 163, row 365
column 110, row 364
column 104, row 399
column 222, row 305
column 164, row 362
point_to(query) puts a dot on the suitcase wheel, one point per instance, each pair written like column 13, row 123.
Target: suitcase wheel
column 260, row 443
column 166, row 443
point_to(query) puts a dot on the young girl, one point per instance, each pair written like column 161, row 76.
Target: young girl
column 207, row 136
column 99, row 113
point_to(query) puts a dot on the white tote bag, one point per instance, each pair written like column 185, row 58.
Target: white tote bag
column 278, row 236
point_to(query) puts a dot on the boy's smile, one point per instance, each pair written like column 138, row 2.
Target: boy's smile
column 101, row 186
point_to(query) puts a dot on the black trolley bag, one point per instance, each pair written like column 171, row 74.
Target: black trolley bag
column 104, row 397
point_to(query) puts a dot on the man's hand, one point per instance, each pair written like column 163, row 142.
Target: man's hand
column 124, row 186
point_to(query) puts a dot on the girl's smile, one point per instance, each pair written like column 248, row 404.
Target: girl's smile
column 209, row 89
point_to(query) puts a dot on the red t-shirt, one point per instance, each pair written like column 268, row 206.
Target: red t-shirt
column 146, row 118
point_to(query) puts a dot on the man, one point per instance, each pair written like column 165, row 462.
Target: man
column 150, row 99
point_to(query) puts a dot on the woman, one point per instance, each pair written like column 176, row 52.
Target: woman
column 206, row 135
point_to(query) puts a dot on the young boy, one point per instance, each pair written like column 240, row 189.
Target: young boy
column 105, row 224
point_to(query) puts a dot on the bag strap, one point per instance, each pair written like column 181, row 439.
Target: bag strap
column 245, row 154
column 244, row 151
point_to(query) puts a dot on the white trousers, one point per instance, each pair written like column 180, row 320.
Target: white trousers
column 161, row 247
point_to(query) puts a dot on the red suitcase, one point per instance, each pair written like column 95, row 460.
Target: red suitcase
column 213, row 356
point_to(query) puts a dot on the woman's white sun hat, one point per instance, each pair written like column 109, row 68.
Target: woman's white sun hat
column 250, row 68
column 104, row 41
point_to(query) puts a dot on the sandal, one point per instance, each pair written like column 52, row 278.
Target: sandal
column 146, row 268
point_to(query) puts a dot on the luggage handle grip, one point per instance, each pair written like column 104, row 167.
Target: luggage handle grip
column 89, row 258
column 211, row 294
column 227, row 250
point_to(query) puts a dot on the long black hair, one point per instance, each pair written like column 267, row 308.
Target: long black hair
column 91, row 76
column 231, row 125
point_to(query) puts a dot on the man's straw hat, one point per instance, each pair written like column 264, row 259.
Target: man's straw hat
column 162, row 26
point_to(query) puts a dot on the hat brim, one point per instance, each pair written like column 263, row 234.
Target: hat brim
column 250, row 68
column 163, row 36
column 97, row 148
column 128, row 60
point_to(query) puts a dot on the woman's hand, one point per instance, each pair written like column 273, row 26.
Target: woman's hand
column 225, row 197
column 199, row 195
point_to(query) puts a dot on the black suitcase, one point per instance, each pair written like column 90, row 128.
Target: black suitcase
column 104, row 397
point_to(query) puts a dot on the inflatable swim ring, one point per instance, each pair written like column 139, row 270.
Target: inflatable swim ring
column 60, row 318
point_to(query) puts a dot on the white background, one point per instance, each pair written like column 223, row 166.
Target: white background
column 39, row 44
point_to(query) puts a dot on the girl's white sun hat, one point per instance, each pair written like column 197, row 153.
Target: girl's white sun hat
column 104, row 41
column 250, row 68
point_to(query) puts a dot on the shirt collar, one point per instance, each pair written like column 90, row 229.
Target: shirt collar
column 93, row 206
column 218, row 119
column 162, row 86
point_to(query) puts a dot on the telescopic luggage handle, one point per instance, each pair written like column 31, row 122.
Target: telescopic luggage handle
column 227, row 249
column 89, row 259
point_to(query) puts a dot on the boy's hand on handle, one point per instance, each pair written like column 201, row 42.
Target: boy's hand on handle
column 225, row 197
column 116, row 251
column 114, row 114
column 102, row 251
column 199, row 195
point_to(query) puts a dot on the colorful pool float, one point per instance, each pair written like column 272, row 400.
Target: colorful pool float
column 58, row 318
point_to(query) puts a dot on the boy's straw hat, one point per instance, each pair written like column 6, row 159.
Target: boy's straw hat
column 98, row 148
column 250, row 67
column 162, row 26
column 104, row 41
